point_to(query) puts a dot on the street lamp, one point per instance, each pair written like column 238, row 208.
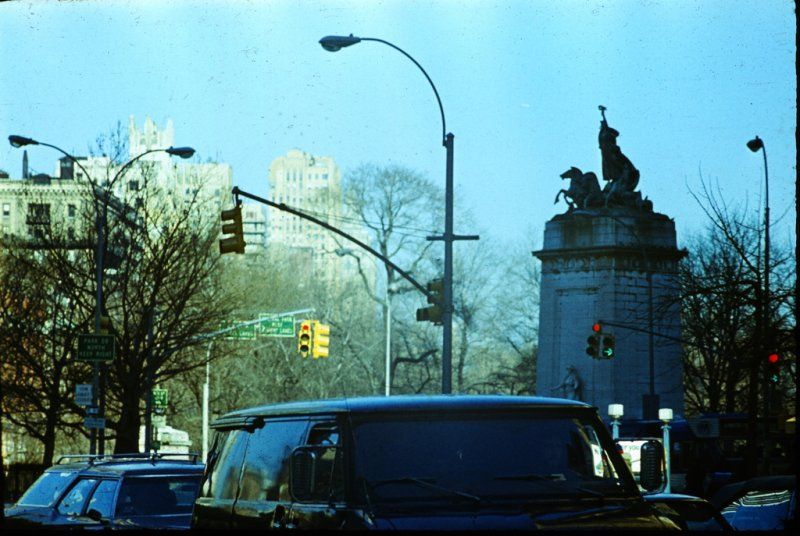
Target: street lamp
column 754, row 145
column 333, row 43
column 615, row 411
column 665, row 416
column 100, row 219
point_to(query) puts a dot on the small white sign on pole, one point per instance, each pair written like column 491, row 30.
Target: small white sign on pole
column 83, row 394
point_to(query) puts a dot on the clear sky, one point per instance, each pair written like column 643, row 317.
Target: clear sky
column 686, row 83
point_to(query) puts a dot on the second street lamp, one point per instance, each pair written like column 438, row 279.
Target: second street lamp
column 100, row 222
column 333, row 43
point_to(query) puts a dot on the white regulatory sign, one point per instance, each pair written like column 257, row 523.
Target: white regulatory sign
column 83, row 394
column 97, row 423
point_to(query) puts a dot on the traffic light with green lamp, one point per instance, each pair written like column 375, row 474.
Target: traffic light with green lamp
column 607, row 350
column 304, row 338
column 321, row 339
column 436, row 298
column 593, row 342
column 773, row 368
column 234, row 243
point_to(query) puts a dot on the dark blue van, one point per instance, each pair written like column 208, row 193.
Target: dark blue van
column 419, row 462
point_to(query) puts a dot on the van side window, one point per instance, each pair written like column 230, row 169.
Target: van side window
column 329, row 474
column 265, row 475
column 223, row 478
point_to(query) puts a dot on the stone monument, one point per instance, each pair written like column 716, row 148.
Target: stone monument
column 610, row 260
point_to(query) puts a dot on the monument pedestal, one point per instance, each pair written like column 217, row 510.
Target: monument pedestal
column 616, row 266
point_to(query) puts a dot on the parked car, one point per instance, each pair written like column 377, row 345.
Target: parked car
column 689, row 512
column 119, row 491
column 762, row 503
column 420, row 462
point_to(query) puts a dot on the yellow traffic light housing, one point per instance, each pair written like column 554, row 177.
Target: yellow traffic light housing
column 304, row 338
column 235, row 243
column 321, row 339
column 105, row 325
column 436, row 298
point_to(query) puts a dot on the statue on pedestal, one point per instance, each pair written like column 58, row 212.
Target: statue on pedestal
column 621, row 175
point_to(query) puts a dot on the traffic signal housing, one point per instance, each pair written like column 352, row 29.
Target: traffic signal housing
column 105, row 325
column 773, row 371
column 234, row 243
column 321, row 339
column 593, row 342
column 433, row 313
column 593, row 346
column 607, row 350
column 304, row 341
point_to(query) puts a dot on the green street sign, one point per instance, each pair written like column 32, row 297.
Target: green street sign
column 160, row 398
column 242, row 333
column 95, row 348
column 276, row 326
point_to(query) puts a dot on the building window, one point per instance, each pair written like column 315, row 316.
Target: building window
column 71, row 211
column 133, row 186
column 6, row 209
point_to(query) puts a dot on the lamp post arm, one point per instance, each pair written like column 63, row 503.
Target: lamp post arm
column 65, row 153
column 435, row 92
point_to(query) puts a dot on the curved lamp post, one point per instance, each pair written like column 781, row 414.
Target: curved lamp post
column 755, row 145
column 333, row 43
column 100, row 219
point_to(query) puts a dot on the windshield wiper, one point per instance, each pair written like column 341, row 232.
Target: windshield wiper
column 551, row 479
column 427, row 483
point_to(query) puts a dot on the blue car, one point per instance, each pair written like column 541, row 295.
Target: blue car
column 762, row 503
column 119, row 491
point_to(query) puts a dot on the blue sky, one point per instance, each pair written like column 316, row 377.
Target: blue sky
column 686, row 83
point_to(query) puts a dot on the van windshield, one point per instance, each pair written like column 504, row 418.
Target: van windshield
column 482, row 456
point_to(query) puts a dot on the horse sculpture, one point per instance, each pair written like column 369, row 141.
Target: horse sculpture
column 584, row 189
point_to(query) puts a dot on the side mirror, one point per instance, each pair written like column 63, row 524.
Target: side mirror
column 95, row 515
column 652, row 459
column 303, row 473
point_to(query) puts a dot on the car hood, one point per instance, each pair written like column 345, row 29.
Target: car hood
column 637, row 516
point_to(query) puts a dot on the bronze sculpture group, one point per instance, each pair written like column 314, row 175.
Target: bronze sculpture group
column 622, row 178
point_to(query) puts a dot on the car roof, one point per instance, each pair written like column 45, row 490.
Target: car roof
column 400, row 404
column 127, row 464
column 730, row 492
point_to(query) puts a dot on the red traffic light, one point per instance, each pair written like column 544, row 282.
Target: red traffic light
column 596, row 327
column 773, row 358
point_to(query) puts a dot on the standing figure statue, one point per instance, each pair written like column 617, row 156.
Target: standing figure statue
column 618, row 170
column 571, row 384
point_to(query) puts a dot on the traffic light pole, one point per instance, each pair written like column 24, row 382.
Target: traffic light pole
column 281, row 206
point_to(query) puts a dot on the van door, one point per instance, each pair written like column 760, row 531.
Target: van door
column 327, row 508
column 214, row 507
column 264, row 483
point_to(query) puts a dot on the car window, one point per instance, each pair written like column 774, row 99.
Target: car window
column 485, row 455
column 149, row 495
column 265, row 475
column 103, row 498
column 47, row 488
column 73, row 502
column 222, row 481
column 329, row 473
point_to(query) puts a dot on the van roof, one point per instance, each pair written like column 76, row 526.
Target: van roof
column 400, row 403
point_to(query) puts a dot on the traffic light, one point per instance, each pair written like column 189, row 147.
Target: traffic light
column 593, row 342
column 321, row 339
column 304, row 338
column 433, row 313
column 607, row 347
column 235, row 243
column 105, row 325
column 773, row 368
